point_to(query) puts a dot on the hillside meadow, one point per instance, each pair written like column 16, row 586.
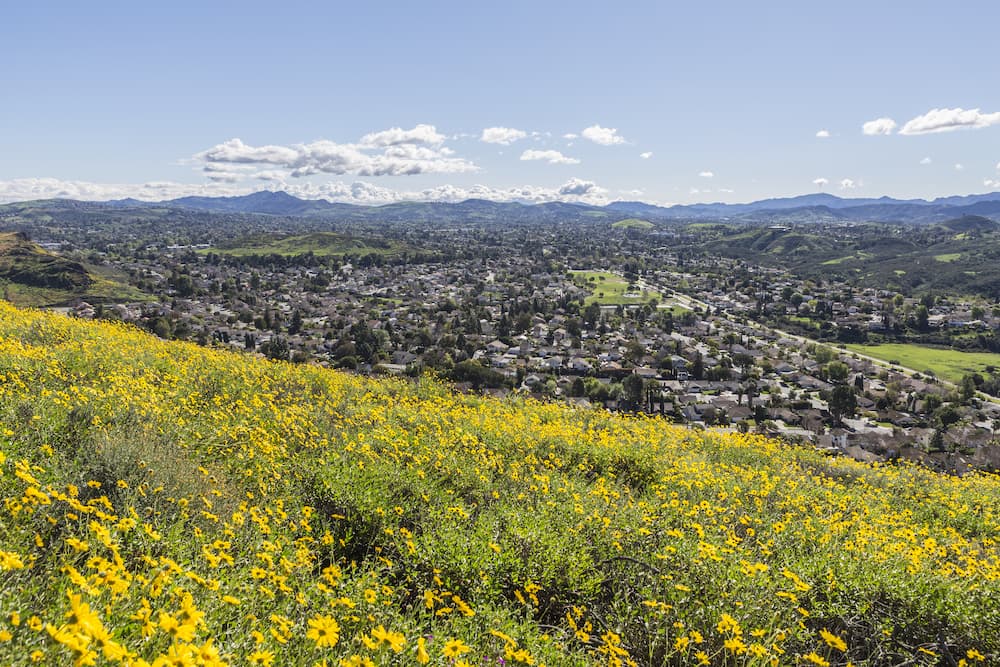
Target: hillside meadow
column 170, row 505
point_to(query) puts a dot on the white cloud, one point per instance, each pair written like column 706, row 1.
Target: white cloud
column 502, row 135
column 706, row 174
column 926, row 160
column 605, row 136
column 646, row 155
column 879, row 126
column 947, row 120
column 358, row 192
column 552, row 157
column 403, row 153
column 235, row 151
column 421, row 134
column 848, row 184
column 823, row 134
column 821, row 182
column 580, row 187
column 959, row 166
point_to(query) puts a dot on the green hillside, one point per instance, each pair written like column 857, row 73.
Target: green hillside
column 31, row 276
column 165, row 504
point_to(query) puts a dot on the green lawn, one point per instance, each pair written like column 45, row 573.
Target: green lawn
column 608, row 289
column 946, row 364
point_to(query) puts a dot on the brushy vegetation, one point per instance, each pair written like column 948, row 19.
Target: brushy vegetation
column 166, row 505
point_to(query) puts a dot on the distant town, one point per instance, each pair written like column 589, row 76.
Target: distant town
column 630, row 317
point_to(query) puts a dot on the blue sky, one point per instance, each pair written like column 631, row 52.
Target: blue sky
column 375, row 102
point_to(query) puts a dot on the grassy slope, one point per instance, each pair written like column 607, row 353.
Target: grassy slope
column 947, row 364
column 166, row 498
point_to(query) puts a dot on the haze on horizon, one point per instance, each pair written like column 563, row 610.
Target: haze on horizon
column 529, row 101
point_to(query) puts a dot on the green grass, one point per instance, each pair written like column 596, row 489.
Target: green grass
column 632, row 223
column 949, row 365
column 608, row 289
column 322, row 244
column 948, row 256
column 847, row 258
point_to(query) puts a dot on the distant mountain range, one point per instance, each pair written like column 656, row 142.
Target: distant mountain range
column 819, row 207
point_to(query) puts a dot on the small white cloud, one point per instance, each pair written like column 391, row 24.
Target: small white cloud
column 552, row 157
column 823, row 134
column 706, row 174
column 646, row 155
column 502, row 135
column 421, row 134
column 847, row 184
column 879, row 126
column 926, row 160
column 579, row 187
column 948, row 120
column 605, row 136
column 959, row 166
column 821, row 182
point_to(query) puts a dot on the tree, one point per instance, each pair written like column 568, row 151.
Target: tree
column 842, row 402
column 633, row 390
column 836, row 371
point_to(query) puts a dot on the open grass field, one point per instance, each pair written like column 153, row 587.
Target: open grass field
column 949, row 365
column 167, row 505
column 632, row 223
column 323, row 244
column 608, row 289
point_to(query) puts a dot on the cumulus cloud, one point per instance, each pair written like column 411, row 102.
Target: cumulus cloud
column 25, row 189
column 706, row 174
column 821, row 182
column 879, row 126
column 421, row 134
column 502, row 135
column 605, row 136
column 926, row 160
column 823, row 134
column 358, row 192
column 948, row 120
column 552, row 157
column 580, row 187
column 393, row 152
column 646, row 155
column 847, row 184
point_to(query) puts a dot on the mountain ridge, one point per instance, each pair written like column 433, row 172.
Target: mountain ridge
column 814, row 207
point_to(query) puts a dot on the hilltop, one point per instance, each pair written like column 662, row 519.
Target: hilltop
column 163, row 499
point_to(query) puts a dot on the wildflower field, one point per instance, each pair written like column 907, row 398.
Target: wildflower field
column 168, row 505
